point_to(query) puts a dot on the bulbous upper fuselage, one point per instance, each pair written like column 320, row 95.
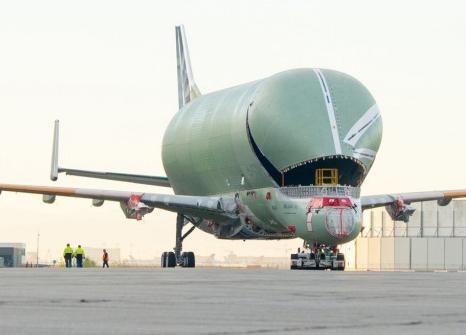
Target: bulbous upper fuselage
column 254, row 140
column 273, row 132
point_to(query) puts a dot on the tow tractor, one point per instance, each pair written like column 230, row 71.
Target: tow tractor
column 319, row 259
column 303, row 261
column 331, row 260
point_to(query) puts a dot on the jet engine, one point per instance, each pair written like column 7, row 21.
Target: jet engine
column 134, row 208
column 444, row 201
column 48, row 198
column 399, row 211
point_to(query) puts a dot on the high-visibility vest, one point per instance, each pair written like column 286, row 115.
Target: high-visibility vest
column 79, row 251
column 68, row 250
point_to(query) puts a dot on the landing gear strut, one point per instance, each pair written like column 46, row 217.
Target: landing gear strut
column 171, row 259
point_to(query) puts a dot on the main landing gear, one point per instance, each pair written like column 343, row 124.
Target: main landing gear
column 320, row 257
column 171, row 259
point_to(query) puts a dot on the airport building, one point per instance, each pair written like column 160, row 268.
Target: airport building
column 433, row 239
column 12, row 254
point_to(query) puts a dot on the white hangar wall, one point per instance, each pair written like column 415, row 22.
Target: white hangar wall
column 434, row 239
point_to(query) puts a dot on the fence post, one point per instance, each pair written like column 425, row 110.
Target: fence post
column 453, row 233
column 383, row 224
column 406, row 229
column 410, row 253
column 421, row 228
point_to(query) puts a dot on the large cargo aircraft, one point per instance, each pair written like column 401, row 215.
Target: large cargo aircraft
column 279, row 158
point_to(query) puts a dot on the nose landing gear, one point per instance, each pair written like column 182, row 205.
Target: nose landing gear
column 170, row 259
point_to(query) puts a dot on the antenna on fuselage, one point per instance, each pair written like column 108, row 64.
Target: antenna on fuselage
column 187, row 88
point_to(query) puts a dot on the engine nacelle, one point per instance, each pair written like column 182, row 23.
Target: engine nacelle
column 48, row 198
column 399, row 211
column 134, row 208
column 444, row 201
column 97, row 202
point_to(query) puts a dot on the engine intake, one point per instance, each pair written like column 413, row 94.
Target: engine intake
column 134, row 208
column 399, row 211
column 48, row 198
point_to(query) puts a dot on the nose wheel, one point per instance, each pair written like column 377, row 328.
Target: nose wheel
column 177, row 257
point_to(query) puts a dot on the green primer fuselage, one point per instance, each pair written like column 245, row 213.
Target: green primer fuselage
column 250, row 140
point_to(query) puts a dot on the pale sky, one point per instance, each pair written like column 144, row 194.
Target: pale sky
column 107, row 70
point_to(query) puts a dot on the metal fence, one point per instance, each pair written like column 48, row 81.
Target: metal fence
column 429, row 220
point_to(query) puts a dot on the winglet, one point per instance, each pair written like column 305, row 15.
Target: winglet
column 187, row 88
column 54, row 166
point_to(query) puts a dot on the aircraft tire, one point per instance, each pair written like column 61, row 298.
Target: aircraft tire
column 163, row 260
column 341, row 256
column 170, row 260
column 189, row 259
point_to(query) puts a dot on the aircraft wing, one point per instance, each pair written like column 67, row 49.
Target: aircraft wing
column 373, row 201
column 136, row 204
column 397, row 205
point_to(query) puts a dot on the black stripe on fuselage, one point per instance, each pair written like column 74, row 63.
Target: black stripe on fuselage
column 266, row 164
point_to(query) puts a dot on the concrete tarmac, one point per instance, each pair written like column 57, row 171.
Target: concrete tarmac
column 229, row 301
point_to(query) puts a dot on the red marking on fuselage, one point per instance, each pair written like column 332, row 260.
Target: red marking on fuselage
column 292, row 229
column 321, row 202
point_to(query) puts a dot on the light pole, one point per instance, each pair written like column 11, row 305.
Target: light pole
column 37, row 256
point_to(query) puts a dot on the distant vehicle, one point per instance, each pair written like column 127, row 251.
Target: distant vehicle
column 278, row 158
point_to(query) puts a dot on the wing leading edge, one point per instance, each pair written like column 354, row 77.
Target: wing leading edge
column 137, row 204
column 398, row 205
column 444, row 197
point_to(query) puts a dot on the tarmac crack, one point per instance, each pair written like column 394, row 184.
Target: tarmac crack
column 93, row 301
column 319, row 327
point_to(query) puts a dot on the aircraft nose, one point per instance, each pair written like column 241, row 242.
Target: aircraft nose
column 331, row 223
column 339, row 222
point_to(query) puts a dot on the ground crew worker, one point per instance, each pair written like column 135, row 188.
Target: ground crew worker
column 79, row 254
column 105, row 259
column 68, row 254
